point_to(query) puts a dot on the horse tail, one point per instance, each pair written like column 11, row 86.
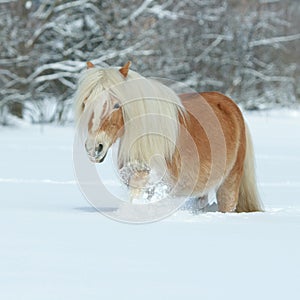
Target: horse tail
column 249, row 199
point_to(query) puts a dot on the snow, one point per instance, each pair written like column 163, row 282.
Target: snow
column 54, row 245
column 28, row 4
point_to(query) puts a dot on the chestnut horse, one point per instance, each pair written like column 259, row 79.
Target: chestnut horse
column 201, row 139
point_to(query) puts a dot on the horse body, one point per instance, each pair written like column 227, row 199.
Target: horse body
column 202, row 137
column 223, row 176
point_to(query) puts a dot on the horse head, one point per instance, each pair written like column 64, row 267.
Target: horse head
column 105, row 117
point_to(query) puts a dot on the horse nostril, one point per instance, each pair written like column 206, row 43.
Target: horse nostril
column 100, row 148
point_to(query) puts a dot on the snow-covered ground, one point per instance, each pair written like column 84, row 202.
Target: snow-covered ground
column 54, row 245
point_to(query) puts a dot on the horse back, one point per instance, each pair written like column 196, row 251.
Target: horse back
column 206, row 106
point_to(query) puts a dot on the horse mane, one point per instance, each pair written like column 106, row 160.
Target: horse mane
column 150, row 110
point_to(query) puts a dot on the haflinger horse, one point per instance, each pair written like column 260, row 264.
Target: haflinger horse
column 202, row 138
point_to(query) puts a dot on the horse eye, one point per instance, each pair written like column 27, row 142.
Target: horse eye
column 116, row 106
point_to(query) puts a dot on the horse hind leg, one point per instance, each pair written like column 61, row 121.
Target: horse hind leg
column 228, row 192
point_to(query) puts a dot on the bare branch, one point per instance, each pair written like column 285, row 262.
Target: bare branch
column 73, row 4
column 266, row 77
column 10, row 61
column 278, row 39
column 214, row 44
column 136, row 13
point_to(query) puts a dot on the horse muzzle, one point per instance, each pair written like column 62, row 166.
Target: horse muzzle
column 102, row 159
column 98, row 154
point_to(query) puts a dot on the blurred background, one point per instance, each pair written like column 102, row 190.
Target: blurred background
column 246, row 49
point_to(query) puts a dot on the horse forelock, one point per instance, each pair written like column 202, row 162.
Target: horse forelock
column 92, row 96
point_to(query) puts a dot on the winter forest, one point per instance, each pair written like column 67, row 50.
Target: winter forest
column 248, row 50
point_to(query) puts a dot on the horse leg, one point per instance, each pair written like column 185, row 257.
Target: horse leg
column 137, row 183
column 204, row 206
column 228, row 192
column 202, row 202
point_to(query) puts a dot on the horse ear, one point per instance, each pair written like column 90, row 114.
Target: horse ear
column 124, row 70
column 89, row 65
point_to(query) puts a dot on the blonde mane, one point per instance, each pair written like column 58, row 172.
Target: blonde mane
column 150, row 110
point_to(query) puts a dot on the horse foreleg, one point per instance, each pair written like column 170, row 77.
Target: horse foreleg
column 137, row 183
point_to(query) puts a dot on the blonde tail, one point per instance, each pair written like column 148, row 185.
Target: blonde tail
column 249, row 199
